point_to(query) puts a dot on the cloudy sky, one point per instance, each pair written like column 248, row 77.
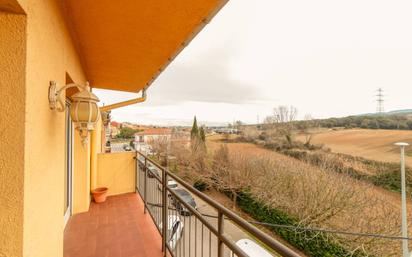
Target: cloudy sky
column 325, row 57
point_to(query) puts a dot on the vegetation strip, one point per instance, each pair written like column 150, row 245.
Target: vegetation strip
column 314, row 243
column 388, row 174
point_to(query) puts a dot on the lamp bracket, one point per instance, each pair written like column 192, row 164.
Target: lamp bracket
column 55, row 101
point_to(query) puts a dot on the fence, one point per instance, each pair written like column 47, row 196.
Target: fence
column 185, row 230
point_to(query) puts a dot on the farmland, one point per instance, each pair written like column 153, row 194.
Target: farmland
column 299, row 174
column 368, row 143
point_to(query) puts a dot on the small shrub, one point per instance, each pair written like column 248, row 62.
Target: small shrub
column 201, row 185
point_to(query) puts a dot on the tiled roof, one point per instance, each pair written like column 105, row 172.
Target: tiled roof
column 155, row 131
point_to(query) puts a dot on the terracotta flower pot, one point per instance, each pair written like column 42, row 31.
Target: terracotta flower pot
column 100, row 194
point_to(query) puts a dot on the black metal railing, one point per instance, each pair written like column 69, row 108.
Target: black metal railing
column 188, row 231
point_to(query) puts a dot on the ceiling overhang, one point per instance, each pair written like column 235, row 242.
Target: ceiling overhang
column 124, row 45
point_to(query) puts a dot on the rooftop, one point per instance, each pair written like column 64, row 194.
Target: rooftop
column 155, row 131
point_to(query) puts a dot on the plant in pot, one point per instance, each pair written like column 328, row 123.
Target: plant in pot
column 100, row 194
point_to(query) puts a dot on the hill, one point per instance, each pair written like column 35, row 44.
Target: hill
column 395, row 112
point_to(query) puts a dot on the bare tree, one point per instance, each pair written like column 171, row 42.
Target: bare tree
column 306, row 128
column 180, row 148
column 229, row 172
column 285, row 114
column 198, row 155
column 282, row 120
column 250, row 133
column 320, row 197
column 160, row 146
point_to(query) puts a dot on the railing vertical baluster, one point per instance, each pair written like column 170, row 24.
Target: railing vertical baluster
column 195, row 237
column 136, row 172
column 202, row 240
column 145, row 185
column 220, row 227
column 210, row 243
column 164, row 211
column 190, row 235
column 161, row 217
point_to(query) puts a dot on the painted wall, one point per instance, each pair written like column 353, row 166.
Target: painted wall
column 117, row 172
column 81, row 175
column 96, row 140
column 12, row 107
column 50, row 55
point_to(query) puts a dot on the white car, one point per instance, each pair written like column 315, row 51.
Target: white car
column 170, row 183
column 252, row 249
column 174, row 230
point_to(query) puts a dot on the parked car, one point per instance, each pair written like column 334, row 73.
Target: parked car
column 153, row 171
column 174, row 230
column 141, row 159
column 187, row 198
column 127, row 147
column 252, row 249
column 170, row 183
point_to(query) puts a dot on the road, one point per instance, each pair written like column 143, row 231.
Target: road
column 197, row 239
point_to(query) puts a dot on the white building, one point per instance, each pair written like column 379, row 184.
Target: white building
column 142, row 139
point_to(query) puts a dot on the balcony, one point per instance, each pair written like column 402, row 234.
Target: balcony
column 138, row 224
column 117, row 227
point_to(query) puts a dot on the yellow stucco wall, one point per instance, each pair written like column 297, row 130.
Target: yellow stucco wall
column 50, row 54
column 96, row 142
column 81, row 175
column 117, row 172
column 12, row 106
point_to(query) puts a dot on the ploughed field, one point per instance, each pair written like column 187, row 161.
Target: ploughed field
column 368, row 143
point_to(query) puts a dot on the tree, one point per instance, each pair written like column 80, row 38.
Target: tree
column 284, row 114
column 197, row 136
column 126, row 132
column 229, row 172
column 194, row 133
column 198, row 147
column 160, row 146
column 282, row 119
column 238, row 123
column 307, row 125
column 202, row 135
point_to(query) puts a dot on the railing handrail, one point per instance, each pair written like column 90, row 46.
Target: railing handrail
column 277, row 246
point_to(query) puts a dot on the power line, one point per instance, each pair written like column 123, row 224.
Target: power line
column 379, row 101
column 332, row 231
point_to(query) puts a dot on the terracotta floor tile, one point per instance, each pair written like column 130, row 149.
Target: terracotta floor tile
column 116, row 228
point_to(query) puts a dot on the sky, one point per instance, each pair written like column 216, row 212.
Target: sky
column 325, row 57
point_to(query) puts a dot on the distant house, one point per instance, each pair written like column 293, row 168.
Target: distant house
column 115, row 124
column 144, row 137
column 114, row 129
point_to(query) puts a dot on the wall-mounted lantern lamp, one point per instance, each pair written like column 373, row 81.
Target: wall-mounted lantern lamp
column 83, row 111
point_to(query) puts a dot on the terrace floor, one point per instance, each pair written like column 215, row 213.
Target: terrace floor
column 116, row 228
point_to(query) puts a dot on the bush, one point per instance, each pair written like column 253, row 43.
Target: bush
column 201, row 185
column 387, row 175
column 402, row 122
column 313, row 243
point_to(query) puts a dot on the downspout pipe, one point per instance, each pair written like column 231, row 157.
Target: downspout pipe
column 125, row 103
